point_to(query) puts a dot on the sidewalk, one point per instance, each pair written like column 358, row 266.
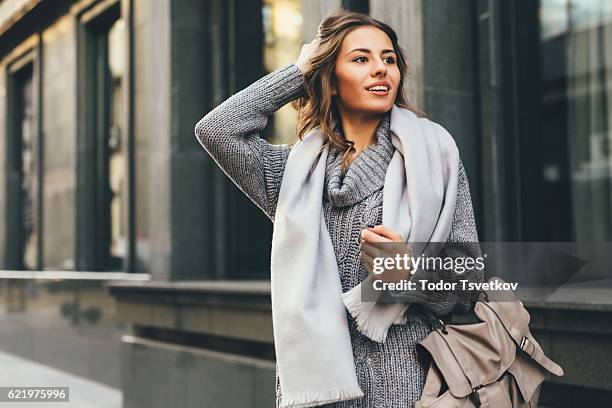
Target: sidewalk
column 83, row 393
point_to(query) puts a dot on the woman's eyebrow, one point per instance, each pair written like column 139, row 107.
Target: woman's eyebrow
column 367, row 51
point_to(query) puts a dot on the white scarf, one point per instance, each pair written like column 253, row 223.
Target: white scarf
column 311, row 337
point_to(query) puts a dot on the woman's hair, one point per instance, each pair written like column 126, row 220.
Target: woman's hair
column 317, row 106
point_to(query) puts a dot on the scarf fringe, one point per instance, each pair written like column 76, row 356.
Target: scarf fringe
column 316, row 398
column 361, row 314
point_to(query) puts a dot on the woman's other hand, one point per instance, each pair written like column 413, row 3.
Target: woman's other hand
column 377, row 242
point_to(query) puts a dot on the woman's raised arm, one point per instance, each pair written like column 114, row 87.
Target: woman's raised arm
column 230, row 133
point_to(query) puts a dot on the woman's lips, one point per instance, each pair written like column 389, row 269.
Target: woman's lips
column 380, row 93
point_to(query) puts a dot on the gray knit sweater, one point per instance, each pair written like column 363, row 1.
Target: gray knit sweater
column 389, row 373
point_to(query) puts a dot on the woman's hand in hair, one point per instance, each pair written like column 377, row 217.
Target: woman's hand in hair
column 306, row 53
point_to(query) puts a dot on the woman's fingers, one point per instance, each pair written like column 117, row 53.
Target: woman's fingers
column 380, row 233
column 368, row 261
column 387, row 233
column 307, row 52
column 370, row 249
column 369, row 235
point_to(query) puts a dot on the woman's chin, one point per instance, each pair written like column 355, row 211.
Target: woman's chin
column 371, row 108
column 378, row 108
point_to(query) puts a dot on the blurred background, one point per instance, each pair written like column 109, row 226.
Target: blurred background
column 137, row 274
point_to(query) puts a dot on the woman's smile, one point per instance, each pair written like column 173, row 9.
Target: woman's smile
column 379, row 88
column 378, row 92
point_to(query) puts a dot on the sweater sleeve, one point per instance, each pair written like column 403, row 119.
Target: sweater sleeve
column 462, row 242
column 230, row 134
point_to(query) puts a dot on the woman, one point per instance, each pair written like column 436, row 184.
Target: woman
column 344, row 84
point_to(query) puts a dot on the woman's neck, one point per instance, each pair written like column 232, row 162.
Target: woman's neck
column 361, row 130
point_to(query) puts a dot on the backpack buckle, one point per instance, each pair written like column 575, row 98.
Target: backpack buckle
column 475, row 394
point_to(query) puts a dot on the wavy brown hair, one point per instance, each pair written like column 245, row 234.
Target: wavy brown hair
column 317, row 106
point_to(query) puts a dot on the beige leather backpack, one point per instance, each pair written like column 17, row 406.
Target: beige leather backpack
column 494, row 362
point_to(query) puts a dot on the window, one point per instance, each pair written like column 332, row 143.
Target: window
column 103, row 242
column 23, row 249
column 576, row 44
column 116, row 158
column 558, row 63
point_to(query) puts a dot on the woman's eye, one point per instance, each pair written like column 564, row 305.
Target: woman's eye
column 390, row 60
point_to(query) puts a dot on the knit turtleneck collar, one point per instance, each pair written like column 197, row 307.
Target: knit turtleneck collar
column 365, row 174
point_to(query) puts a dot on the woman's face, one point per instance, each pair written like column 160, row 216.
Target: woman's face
column 366, row 57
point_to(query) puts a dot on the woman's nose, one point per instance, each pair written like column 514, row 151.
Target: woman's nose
column 380, row 68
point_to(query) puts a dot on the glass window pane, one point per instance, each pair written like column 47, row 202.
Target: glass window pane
column 28, row 169
column 282, row 22
column 116, row 142
column 577, row 87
